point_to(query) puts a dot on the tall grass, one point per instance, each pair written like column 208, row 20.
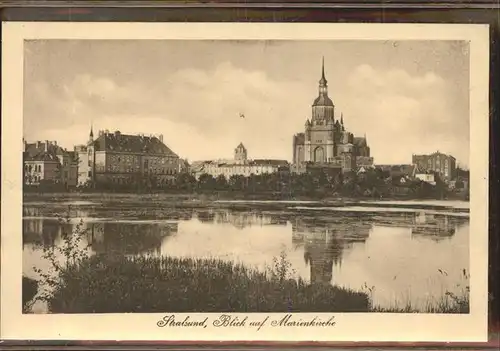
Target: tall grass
column 164, row 284
column 78, row 282
column 450, row 302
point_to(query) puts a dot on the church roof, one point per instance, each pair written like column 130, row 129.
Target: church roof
column 241, row 146
column 360, row 141
column 323, row 100
column 118, row 142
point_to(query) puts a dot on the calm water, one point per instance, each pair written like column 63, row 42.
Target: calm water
column 398, row 251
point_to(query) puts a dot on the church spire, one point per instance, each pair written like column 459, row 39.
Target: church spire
column 323, row 82
column 91, row 134
column 323, row 68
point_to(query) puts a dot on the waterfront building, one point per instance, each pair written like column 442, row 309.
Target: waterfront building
column 239, row 165
column 116, row 158
column 443, row 164
column 326, row 141
column 47, row 162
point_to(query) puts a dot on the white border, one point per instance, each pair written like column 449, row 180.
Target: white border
column 350, row 327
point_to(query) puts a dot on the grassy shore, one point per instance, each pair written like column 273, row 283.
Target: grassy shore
column 104, row 284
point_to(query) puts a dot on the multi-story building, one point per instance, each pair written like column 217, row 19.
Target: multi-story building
column 240, row 165
column 326, row 140
column 444, row 165
column 48, row 162
column 116, row 158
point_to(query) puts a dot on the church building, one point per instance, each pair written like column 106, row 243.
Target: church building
column 326, row 142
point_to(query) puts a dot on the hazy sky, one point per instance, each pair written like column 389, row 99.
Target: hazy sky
column 408, row 96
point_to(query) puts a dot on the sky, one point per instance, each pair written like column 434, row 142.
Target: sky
column 408, row 97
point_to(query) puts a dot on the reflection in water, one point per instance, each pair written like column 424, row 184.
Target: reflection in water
column 336, row 248
column 324, row 243
column 129, row 238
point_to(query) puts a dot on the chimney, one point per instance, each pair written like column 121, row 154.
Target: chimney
column 161, row 137
column 54, row 142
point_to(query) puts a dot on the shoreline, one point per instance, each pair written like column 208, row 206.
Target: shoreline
column 203, row 201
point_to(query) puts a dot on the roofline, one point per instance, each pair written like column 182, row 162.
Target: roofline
column 137, row 153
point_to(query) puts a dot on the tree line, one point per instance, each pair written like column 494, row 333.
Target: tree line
column 374, row 183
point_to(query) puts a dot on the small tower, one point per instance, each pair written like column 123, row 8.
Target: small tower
column 240, row 154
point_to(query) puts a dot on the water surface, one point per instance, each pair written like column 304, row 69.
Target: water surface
column 404, row 254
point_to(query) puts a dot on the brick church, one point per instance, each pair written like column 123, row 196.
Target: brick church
column 325, row 141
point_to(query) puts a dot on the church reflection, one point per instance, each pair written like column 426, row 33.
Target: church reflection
column 324, row 243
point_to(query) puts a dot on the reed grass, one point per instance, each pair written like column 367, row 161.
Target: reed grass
column 105, row 284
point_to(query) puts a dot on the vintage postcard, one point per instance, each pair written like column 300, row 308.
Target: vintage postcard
column 266, row 182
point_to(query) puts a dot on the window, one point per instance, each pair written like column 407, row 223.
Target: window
column 90, row 174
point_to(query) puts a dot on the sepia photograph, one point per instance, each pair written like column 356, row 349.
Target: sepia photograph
column 242, row 176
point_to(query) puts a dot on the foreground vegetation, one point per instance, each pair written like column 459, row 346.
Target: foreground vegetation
column 78, row 282
column 374, row 183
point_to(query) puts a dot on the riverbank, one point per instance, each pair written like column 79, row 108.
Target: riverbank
column 106, row 284
column 235, row 202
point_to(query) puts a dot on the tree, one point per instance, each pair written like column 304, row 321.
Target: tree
column 185, row 181
column 237, row 182
column 221, row 182
column 206, row 182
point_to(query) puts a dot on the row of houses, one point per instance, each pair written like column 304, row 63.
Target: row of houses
column 112, row 157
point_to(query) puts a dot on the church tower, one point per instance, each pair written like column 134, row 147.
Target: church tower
column 240, row 154
column 322, row 108
column 320, row 131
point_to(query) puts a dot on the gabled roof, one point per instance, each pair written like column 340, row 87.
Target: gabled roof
column 33, row 149
column 240, row 147
column 42, row 156
column 118, row 142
